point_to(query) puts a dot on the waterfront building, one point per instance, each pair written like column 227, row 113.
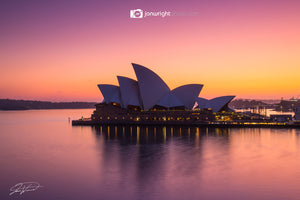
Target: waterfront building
column 281, row 118
column 150, row 98
column 297, row 113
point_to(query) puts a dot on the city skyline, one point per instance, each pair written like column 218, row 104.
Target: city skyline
column 61, row 50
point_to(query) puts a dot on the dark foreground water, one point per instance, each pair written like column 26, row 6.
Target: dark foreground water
column 144, row 162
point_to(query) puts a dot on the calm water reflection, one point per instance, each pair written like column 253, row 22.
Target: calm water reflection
column 123, row 162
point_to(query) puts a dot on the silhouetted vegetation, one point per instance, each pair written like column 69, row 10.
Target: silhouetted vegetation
column 10, row 104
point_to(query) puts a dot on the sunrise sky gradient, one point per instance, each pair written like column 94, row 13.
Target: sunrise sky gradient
column 60, row 50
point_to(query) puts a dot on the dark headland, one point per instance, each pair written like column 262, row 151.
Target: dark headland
column 11, row 104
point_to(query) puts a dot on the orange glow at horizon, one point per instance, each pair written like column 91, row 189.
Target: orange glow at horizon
column 248, row 52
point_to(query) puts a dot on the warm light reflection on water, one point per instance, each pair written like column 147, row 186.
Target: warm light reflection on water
column 132, row 162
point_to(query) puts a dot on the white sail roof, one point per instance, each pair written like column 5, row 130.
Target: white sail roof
column 187, row 94
column 202, row 103
column 169, row 100
column 111, row 93
column 152, row 88
column 129, row 89
column 215, row 104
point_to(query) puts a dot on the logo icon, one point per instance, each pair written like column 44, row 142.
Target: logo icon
column 137, row 13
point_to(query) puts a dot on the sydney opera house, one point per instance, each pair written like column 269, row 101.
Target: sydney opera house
column 150, row 99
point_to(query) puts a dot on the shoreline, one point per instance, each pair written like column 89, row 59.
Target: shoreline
column 43, row 109
column 192, row 124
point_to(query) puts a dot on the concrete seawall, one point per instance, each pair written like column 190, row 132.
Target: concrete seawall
column 185, row 123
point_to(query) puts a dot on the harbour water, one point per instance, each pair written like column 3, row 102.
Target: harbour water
column 132, row 162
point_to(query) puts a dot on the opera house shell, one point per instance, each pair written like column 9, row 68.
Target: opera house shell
column 149, row 92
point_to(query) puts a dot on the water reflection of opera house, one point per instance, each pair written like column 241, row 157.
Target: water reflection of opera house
column 149, row 99
column 157, row 134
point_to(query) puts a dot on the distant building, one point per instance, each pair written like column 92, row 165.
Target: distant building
column 288, row 105
column 297, row 113
column 281, row 118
